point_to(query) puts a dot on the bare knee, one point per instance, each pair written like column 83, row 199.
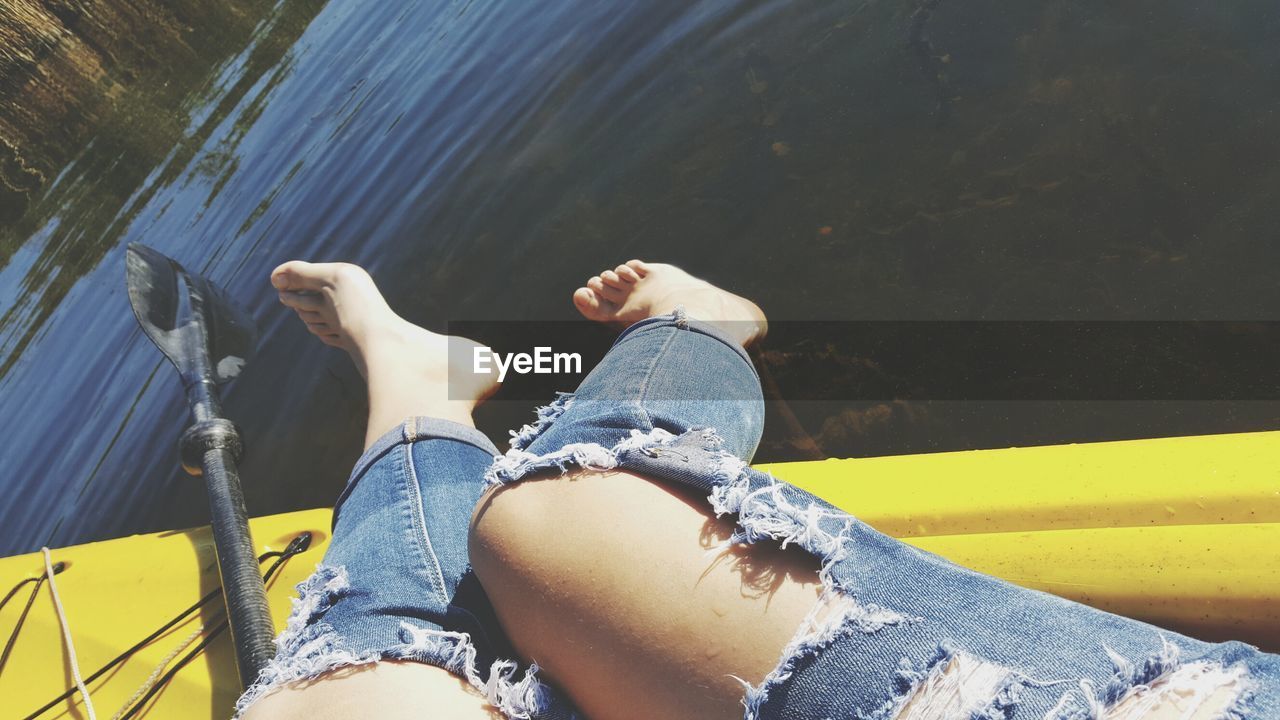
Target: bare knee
column 550, row 563
column 624, row 591
column 524, row 545
column 509, row 530
column 562, row 524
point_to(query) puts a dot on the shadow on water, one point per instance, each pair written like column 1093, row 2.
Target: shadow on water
column 839, row 160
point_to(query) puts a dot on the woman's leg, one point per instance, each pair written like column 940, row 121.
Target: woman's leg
column 620, row 587
column 394, row 602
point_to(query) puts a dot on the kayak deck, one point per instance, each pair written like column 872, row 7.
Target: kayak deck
column 1180, row 532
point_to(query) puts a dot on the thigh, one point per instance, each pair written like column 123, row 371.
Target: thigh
column 382, row 691
column 627, row 594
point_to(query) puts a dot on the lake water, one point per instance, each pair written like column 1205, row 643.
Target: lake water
column 835, row 160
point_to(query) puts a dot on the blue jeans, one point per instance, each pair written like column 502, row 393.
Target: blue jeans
column 897, row 629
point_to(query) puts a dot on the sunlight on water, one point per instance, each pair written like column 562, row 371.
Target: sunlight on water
column 835, row 160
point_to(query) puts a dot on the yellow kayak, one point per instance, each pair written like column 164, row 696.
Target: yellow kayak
column 1181, row 532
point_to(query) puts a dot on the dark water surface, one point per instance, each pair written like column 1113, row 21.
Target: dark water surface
column 834, row 160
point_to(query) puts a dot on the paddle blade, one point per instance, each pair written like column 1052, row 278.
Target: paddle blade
column 193, row 322
column 231, row 332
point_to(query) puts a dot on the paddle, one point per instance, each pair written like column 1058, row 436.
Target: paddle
column 209, row 339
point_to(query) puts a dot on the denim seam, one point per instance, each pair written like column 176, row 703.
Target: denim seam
column 406, row 433
column 648, row 375
column 419, row 522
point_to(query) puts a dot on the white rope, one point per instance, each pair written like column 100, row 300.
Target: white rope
column 66, row 634
column 154, row 677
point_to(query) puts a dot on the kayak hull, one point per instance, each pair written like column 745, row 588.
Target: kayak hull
column 1179, row 532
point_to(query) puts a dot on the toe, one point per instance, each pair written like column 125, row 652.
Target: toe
column 298, row 275
column 640, row 266
column 605, row 292
column 612, row 279
column 301, row 300
column 627, row 274
column 587, row 302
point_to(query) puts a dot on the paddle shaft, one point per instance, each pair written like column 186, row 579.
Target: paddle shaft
column 214, row 443
column 242, row 588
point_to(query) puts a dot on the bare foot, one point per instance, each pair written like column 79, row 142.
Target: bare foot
column 638, row 290
column 407, row 368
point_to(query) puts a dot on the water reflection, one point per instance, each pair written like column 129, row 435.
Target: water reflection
column 835, row 160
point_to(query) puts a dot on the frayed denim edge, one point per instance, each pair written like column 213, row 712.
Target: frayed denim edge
column 766, row 513
column 911, row 677
column 309, row 647
column 517, row 464
column 520, row 439
column 833, row 617
column 521, row 698
column 1129, row 678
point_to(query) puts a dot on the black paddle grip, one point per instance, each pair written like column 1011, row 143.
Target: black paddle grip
column 213, row 434
column 242, row 588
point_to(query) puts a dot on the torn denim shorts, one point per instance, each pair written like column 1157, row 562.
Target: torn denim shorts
column 899, row 634
column 396, row 581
